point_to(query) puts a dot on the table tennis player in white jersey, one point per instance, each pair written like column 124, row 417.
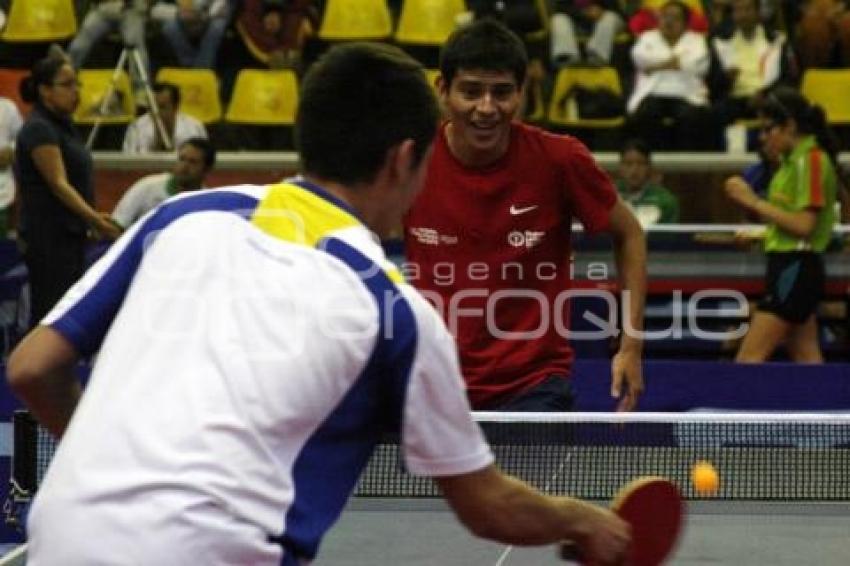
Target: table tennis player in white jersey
column 253, row 344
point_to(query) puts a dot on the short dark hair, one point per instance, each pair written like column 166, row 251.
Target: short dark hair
column 43, row 73
column 638, row 145
column 358, row 101
column 172, row 89
column 484, row 44
column 205, row 147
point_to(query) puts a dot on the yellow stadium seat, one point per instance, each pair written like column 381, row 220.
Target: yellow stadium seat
column 431, row 76
column 198, row 91
column 427, row 22
column 535, row 108
column 830, row 88
column 94, row 84
column 591, row 77
column 40, row 20
column 264, row 98
column 347, row 20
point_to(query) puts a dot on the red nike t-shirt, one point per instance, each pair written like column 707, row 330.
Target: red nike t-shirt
column 491, row 249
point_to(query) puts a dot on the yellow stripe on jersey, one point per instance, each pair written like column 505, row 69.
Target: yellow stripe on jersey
column 297, row 215
column 394, row 274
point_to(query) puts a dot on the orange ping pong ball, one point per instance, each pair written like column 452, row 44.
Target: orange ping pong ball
column 705, row 477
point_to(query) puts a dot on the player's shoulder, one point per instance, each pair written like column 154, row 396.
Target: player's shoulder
column 200, row 197
column 189, row 119
column 144, row 120
column 152, row 180
column 553, row 145
column 429, row 322
column 238, row 200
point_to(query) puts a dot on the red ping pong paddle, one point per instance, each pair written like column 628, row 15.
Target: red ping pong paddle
column 654, row 509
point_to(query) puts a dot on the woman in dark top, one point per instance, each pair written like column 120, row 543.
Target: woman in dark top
column 54, row 173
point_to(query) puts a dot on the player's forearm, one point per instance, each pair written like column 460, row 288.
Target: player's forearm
column 630, row 255
column 515, row 513
column 800, row 224
column 52, row 401
column 40, row 372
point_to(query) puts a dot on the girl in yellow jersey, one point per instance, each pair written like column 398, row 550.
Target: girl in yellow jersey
column 800, row 213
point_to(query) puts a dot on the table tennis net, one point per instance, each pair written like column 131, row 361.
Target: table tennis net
column 762, row 457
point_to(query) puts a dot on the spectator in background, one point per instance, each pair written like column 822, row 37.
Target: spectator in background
column 274, row 31
column 651, row 203
column 195, row 159
column 10, row 125
column 127, row 16
column 800, row 213
column 520, row 16
column 195, row 31
column 669, row 105
column 719, row 14
column 54, row 171
column 753, row 59
column 143, row 135
column 823, row 28
column 599, row 18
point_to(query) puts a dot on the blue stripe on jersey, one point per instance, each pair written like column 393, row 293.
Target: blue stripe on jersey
column 327, row 468
column 85, row 324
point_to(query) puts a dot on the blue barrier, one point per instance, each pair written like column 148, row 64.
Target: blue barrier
column 685, row 386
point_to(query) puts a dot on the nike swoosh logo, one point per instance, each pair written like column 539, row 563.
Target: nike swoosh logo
column 517, row 211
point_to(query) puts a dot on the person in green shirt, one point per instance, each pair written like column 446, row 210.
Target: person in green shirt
column 651, row 202
column 800, row 213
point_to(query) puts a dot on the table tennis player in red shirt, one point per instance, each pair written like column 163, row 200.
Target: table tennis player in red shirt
column 488, row 239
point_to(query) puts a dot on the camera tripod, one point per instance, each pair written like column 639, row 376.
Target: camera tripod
column 132, row 61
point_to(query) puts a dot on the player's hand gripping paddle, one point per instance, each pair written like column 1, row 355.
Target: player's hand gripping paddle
column 653, row 507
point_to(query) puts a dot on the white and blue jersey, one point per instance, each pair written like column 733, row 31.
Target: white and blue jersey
column 253, row 345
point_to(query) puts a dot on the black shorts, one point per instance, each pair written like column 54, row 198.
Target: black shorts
column 555, row 393
column 795, row 285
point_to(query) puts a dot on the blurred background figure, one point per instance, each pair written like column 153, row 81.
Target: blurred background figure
column 142, row 135
column 10, row 125
column 597, row 18
column 639, row 188
column 195, row 31
column 275, row 31
column 55, row 173
column 669, row 105
column 754, row 58
column 823, row 33
column 800, row 213
column 195, row 159
column 128, row 17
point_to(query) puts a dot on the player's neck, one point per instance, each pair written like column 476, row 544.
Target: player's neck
column 359, row 201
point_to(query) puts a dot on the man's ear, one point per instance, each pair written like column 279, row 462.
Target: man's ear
column 442, row 86
column 400, row 159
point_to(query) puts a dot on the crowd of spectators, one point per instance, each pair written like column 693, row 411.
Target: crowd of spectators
column 686, row 66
